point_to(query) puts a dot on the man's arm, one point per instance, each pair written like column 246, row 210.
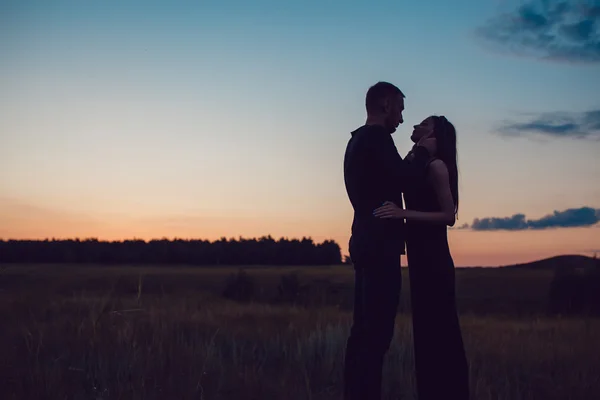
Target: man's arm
column 403, row 171
column 440, row 180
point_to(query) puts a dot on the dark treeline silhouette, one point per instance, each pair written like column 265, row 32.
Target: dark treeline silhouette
column 262, row 251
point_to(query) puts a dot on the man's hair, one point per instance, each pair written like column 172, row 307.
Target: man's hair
column 377, row 93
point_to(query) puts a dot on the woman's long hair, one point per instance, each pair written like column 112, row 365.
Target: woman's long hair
column 445, row 135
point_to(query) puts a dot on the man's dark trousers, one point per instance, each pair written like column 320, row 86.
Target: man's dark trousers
column 378, row 279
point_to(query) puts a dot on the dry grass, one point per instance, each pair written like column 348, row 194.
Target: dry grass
column 98, row 333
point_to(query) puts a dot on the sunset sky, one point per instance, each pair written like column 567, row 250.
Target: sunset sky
column 150, row 119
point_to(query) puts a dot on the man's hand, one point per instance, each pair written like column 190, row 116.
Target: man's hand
column 429, row 142
column 389, row 210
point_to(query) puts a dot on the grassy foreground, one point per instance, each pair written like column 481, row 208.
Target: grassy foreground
column 100, row 333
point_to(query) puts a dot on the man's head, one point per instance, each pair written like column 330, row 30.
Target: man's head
column 385, row 104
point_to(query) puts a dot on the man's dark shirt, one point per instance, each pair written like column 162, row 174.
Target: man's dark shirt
column 374, row 172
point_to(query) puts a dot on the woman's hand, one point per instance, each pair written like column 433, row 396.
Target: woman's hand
column 389, row 210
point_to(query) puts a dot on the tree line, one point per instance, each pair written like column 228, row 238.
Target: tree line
column 255, row 251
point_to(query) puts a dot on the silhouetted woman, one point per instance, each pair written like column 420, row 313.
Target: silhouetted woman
column 432, row 204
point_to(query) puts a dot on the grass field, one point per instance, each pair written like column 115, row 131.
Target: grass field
column 97, row 332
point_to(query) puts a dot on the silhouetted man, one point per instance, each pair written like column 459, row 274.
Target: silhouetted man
column 374, row 172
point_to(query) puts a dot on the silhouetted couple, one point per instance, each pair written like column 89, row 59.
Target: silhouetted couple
column 376, row 177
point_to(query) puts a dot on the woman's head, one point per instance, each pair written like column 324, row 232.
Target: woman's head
column 423, row 129
column 445, row 135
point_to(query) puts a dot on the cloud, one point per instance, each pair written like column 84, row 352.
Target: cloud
column 570, row 218
column 459, row 227
column 582, row 125
column 547, row 29
column 514, row 223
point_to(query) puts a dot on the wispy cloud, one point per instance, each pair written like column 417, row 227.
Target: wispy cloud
column 583, row 125
column 570, row 218
column 548, row 29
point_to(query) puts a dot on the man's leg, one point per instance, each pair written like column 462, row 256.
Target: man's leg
column 354, row 361
column 377, row 293
column 381, row 304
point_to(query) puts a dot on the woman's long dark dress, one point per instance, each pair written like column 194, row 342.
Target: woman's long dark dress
column 441, row 364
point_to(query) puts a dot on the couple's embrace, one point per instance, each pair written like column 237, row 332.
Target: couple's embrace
column 376, row 177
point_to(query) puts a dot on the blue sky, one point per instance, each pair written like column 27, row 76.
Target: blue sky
column 147, row 118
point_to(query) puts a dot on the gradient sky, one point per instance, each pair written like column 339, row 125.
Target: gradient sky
column 150, row 119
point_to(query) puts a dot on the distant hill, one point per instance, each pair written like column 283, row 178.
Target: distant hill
column 564, row 261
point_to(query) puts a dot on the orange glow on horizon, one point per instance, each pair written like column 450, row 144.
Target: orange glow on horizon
column 469, row 248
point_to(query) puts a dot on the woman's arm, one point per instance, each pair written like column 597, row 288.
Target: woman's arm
column 440, row 180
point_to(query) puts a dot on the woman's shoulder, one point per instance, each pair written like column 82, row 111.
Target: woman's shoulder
column 435, row 163
column 436, row 168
